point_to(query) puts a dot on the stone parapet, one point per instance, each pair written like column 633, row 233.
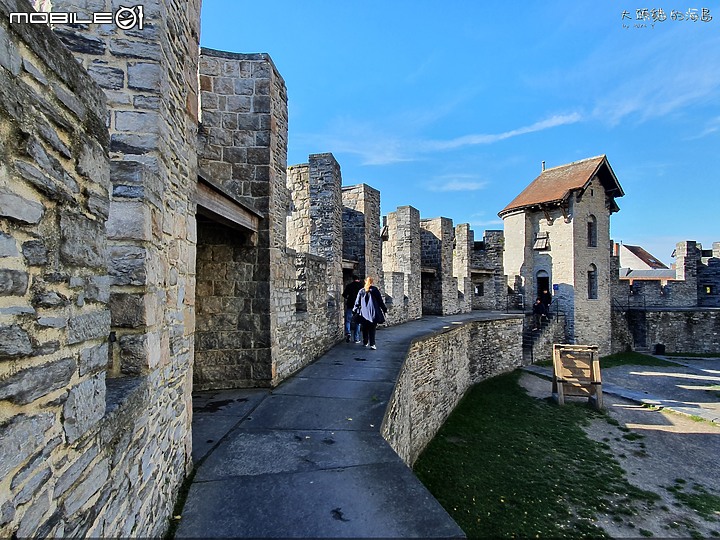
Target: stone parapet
column 401, row 254
column 436, row 373
column 694, row 330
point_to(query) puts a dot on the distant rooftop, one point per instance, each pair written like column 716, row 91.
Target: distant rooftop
column 645, row 257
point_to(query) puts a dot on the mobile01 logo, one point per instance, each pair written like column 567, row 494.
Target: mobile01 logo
column 125, row 18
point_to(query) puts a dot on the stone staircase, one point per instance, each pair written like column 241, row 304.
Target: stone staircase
column 537, row 344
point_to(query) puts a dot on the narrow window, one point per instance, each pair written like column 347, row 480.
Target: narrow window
column 592, row 232
column 480, row 289
column 592, row 285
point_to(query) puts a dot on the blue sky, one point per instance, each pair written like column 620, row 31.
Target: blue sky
column 452, row 106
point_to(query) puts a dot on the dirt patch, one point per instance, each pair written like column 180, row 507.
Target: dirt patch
column 662, row 452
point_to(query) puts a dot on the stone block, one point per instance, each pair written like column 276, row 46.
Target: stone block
column 127, row 265
column 134, row 49
column 144, row 76
column 10, row 57
column 75, row 471
column 129, row 220
column 8, row 247
column 93, row 163
column 35, row 252
column 107, row 76
column 80, row 42
column 20, row 209
column 84, row 407
column 134, row 144
column 84, row 491
column 137, row 122
column 33, row 486
column 82, row 241
column 88, row 326
column 14, row 342
column 30, row 384
column 128, row 310
column 13, row 282
column 133, row 354
column 20, row 438
column 93, row 359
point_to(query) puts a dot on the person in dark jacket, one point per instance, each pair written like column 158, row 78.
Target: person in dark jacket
column 370, row 305
column 352, row 330
column 539, row 311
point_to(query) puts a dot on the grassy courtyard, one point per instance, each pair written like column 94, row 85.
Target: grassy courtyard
column 508, row 465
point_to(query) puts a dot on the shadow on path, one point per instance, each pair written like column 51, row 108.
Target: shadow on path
column 306, row 459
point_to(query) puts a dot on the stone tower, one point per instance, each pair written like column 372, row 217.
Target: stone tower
column 557, row 237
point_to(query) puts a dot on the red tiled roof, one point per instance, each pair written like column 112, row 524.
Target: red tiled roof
column 555, row 185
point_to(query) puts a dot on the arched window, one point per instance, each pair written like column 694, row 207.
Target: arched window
column 592, row 282
column 592, row 231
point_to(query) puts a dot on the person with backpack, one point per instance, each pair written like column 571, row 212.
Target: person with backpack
column 352, row 329
column 371, row 307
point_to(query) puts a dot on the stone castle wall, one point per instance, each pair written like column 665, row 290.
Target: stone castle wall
column 695, row 330
column 439, row 286
column 486, row 263
column 401, row 265
column 694, row 274
column 90, row 423
column 361, row 230
column 436, row 373
column 242, row 149
column 462, row 253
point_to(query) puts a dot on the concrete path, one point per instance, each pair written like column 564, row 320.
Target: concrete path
column 306, row 459
column 690, row 387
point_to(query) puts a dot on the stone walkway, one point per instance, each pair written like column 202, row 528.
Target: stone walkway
column 306, row 459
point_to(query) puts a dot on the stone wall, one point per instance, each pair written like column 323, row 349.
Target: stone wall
column 361, row 230
column 436, row 373
column 242, row 149
column 592, row 316
column 462, row 253
column 486, row 264
column 694, row 274
column 680, row 330
column 232, row 340
column 316, row 192
column 439, row 286
column 82, row 452
column 401, row 264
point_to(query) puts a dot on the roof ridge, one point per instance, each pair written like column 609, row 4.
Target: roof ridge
column 574, row 162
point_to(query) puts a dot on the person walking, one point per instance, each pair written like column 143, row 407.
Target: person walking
column 369, row 304
column 352, row 329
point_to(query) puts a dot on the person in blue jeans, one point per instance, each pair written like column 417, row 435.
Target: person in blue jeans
column 352, row 330
column 371, row 307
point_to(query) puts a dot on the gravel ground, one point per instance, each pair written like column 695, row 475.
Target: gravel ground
column 658, row 450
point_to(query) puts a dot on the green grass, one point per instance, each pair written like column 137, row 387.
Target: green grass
column 622, row 359
column 631, row 359
column 508, row 465
column 699, row 499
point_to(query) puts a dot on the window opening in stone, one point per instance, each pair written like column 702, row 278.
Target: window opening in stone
column 592, row 232
column 592, row 282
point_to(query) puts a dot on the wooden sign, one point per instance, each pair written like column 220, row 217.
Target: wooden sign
column 576, row 372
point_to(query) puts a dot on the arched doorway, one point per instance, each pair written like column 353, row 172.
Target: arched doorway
column 542, row 283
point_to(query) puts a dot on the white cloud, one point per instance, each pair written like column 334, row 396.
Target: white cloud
column 376, row 147
column 476, row 139
column 456, row 182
